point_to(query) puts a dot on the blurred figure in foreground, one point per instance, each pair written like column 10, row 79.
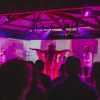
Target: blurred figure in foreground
column 45, row 79
column 73, row 88
column 15, row 80
column 37, row 91
column 95, row 77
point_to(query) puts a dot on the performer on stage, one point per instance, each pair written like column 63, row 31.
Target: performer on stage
column 2, row 56
column 50, row 59
column 87, row 62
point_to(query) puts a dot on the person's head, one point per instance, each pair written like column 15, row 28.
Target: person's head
column 51, row 47
column 15, row 79
column 73, row 66
column 34, row 73
column 39, row 64
column 87, row 49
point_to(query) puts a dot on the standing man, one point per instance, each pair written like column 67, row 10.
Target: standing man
column 50, row 59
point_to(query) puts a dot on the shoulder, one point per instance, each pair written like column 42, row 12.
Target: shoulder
column 88, row 88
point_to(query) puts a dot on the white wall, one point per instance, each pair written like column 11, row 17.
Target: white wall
column 16, row 47
column 97, row 56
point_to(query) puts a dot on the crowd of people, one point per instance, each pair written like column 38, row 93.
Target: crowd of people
column 26, row 80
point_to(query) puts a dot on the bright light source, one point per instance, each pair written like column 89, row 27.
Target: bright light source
column 86, row 12
column 3, row 19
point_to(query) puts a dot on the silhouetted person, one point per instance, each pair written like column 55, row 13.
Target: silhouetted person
column 73, row 88
column 96, row 76
column 61, row 61
column 62, row 76
column 37, row 91
column 45, row 79
column 15, row 80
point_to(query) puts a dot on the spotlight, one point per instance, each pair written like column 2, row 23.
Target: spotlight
column 86, row 12
column 3, row 19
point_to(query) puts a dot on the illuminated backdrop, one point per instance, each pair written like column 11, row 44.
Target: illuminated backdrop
column 20, row 48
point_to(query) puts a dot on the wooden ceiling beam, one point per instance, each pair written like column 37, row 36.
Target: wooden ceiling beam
column 56, row 21
column 19, row 26
column 75, row 19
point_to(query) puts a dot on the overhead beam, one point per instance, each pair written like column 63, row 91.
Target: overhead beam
column 70, row 17
column 12, row 31
column 19, row 26
column 14, row 18
column 35, row 20
column 97, row 20
column 56, row 21
column 95, row 13
column 32, row 19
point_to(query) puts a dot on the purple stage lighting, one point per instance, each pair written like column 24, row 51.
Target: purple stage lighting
column 86, row 12
column 3, row 19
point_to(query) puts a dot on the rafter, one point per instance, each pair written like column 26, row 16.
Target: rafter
column 35, row 20
column 13, row 31
column 19, row 26
column 96, row 13
column 70, row 17
column 32, row 19
column 27, row 19
column 56, row 21
column 12, row 19
column 97, row 20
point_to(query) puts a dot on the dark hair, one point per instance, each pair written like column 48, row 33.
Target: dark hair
column 14, row 77
column 73, row 66
column 87, row 48
column 62, row 69
column 34, row 73
column 39, row 64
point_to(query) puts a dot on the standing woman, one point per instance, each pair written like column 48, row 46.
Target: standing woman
column 87, row 62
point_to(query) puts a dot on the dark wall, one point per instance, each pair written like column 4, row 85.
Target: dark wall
column 7, row 6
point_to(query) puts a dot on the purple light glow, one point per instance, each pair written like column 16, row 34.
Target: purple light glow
column 3, row 19
column 86, row 13
column 45, row 34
